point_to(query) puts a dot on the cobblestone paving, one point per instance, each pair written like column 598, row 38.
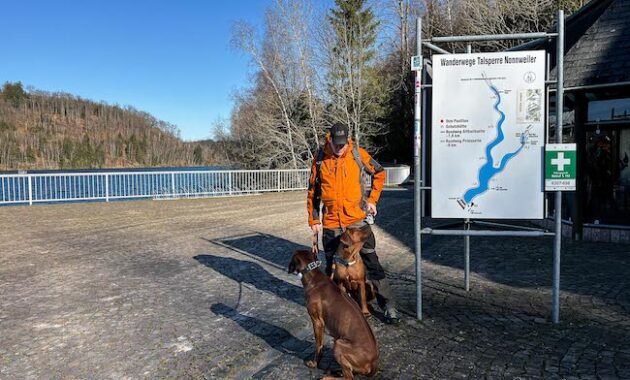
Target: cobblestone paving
column 197, row 289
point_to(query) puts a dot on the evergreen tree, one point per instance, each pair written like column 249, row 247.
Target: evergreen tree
column 4, row 126
column 198, row 155
column 31, row 155
column 356, row 94
column 14, row 93
column 141, row 149
column 99, row 156
column 67, row 154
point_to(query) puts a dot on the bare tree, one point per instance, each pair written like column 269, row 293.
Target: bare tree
column 287, row 112
column 267, row 58
column 298, row 16
column 461, row 17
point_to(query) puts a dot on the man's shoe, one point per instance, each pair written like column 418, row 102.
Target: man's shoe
column 391, row 316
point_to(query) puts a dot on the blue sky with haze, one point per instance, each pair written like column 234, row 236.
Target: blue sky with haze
column 171, row 59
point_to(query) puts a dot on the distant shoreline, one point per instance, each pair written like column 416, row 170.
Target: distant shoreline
column 103, row 170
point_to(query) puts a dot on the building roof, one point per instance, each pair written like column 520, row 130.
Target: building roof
column 602, row 54
column 597, row 44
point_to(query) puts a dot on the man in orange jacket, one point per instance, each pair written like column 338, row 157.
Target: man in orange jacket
column 339, row 189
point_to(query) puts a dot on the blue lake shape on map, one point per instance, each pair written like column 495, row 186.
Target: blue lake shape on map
column 488, row 170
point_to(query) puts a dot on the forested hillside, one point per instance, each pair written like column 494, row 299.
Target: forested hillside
column 40, row 130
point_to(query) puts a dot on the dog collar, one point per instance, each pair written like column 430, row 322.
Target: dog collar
column 344, row 262
column 311, row 266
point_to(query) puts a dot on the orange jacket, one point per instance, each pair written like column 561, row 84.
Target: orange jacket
column 341, row 187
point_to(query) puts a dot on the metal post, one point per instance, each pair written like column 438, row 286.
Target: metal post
column 423, row 125
column 467, row 226
column 467, row 256
column 106, row 187
column 230, row 183
column 555, row 313
column 173, row 184
column 431, row 231
column 30, row 191
column 418, row 171
column 278, row 180
column 491, row 37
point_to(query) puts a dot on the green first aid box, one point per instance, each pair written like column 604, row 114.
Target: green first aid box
column 560, row 167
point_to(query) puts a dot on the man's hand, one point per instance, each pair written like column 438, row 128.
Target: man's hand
column 316, row 228
column 371, row 208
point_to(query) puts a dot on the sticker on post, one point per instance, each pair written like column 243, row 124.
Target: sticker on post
column 416, row 63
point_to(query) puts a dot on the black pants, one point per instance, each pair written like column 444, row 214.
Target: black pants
column 375, row 273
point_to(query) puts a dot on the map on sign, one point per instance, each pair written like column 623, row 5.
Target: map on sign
column 487, row 135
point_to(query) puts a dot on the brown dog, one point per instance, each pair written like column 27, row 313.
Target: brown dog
column 355, row 347
column 349, row 270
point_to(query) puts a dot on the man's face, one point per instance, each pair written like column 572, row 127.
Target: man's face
column 338, row 149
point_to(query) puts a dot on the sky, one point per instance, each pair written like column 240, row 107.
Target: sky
column 169, row 58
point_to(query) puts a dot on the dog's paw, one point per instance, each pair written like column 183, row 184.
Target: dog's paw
column 311, row 363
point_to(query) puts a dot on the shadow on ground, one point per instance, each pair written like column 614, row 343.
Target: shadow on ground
column 508, row 334
column 268, row 248
column 244, row 271
column 276, row 337
column 588, row 268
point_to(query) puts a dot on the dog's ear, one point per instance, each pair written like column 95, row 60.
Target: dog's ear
column 292, row 265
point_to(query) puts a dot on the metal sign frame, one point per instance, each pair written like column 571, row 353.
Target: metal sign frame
column 420, row 101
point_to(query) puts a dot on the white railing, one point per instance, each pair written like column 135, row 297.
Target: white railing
column 95, row 186
column 98, row 186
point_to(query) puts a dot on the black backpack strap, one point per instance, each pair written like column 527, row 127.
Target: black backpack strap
column 365, row 176
column 318, row 164
column 377, row 167
column 359, row 161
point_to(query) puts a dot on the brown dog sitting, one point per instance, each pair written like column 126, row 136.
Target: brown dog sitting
column 355, row 347
column 348, row 268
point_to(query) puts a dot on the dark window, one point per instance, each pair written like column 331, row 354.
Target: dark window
column 609, row 110
column 607, row 174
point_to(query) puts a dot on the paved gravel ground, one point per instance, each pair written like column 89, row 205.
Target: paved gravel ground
column 198, row 288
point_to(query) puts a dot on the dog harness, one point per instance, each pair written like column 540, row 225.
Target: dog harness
column 344, row 262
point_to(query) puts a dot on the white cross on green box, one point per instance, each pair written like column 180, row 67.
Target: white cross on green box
column 560, row 167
